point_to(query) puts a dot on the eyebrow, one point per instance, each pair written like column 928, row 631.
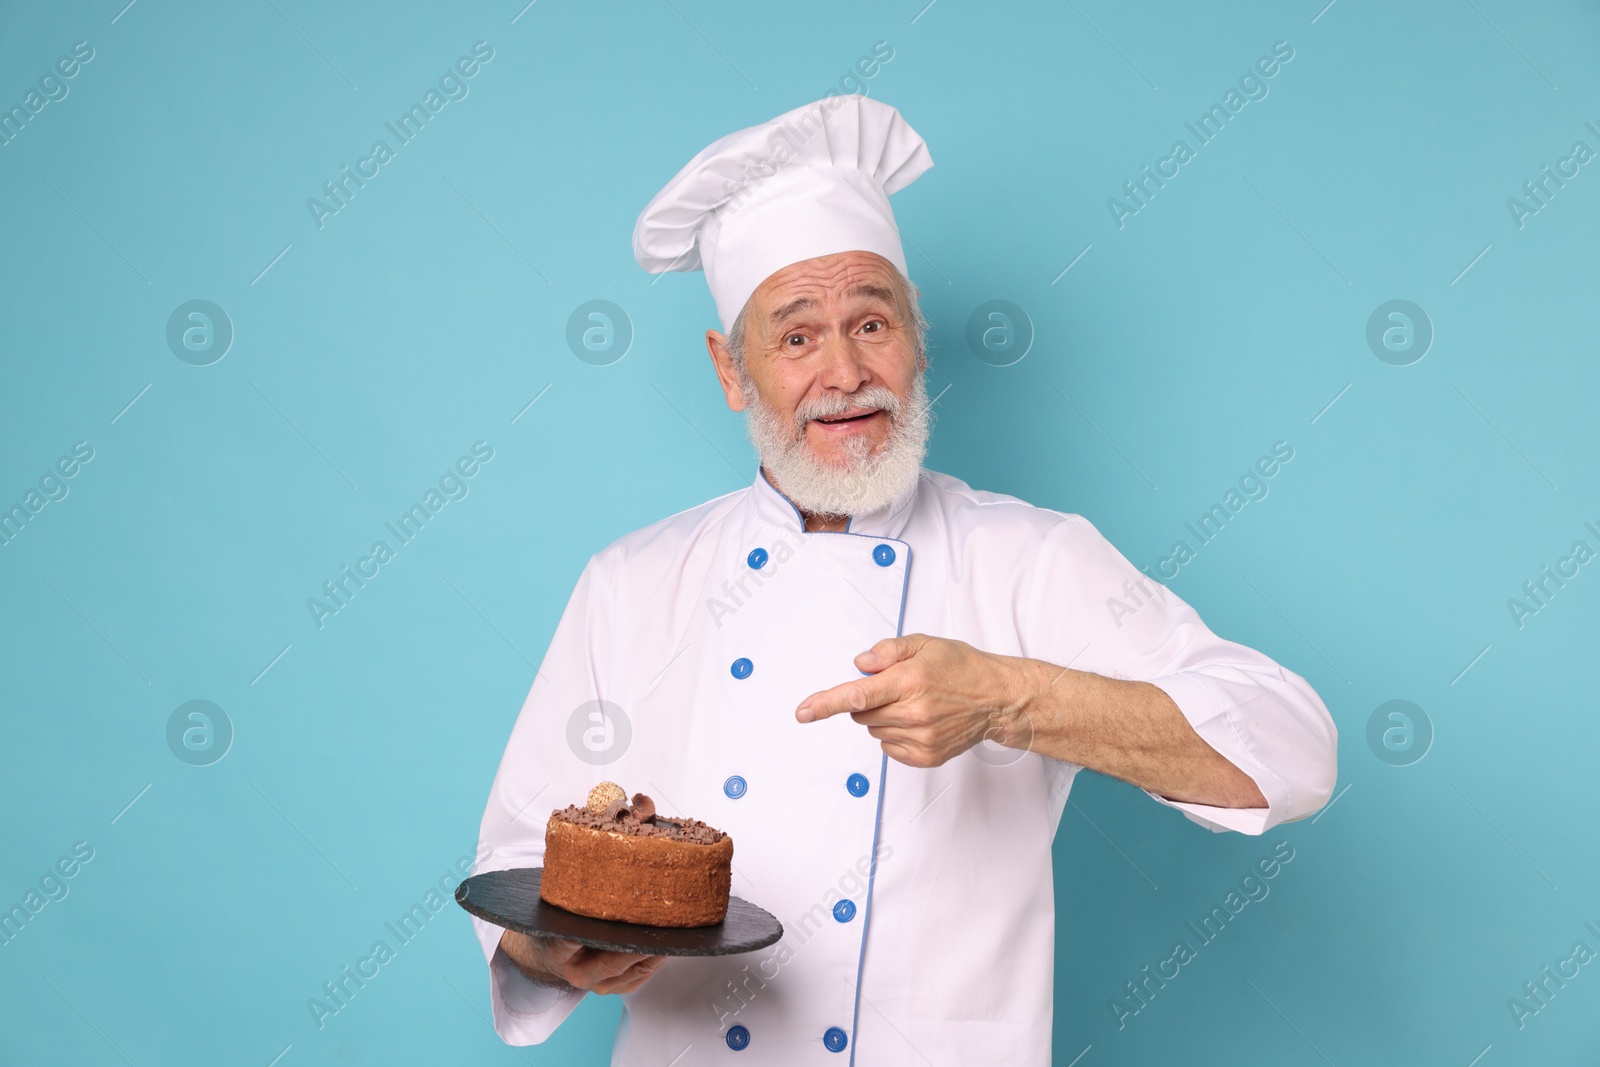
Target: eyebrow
column 867, row 289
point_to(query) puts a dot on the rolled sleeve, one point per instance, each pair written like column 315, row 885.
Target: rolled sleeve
column 1257, row 736
column 1263, row 718
column 524, row 1012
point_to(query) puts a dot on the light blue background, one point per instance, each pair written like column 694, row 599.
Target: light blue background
column 426, row 315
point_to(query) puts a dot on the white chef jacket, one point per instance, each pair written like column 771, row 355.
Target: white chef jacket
column 917, row 903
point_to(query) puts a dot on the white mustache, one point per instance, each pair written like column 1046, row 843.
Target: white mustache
column 871, row 397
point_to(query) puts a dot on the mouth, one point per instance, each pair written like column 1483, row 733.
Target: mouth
column 851, row 418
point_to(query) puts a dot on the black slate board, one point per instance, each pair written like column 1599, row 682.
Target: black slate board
column 511, row 899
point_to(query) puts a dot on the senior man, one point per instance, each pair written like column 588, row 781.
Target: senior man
column 879, row 681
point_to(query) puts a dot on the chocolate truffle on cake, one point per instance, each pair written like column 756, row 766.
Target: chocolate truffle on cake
column 615, row 859
column 604, row 794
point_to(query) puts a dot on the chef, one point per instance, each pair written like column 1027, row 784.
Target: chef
column 880, row 681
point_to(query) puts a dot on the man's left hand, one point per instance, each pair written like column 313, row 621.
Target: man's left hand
column 927, row 699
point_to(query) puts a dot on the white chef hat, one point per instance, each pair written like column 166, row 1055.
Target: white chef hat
column 811, row 182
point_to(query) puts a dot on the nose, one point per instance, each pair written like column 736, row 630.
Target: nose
column 842, row 364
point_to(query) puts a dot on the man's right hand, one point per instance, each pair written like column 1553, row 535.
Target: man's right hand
column 556, row 961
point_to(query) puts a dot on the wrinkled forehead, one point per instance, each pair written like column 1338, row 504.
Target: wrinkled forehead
column 841, row 282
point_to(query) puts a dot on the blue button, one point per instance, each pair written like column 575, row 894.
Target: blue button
column 737, row 1037
column 734, row 786
column 858, row 785
column 835, row 1039
column 742, row 667
column 845, row 910
column 883, row 555
column 757, row 559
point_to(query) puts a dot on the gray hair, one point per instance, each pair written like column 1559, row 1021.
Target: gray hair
column 909, row 297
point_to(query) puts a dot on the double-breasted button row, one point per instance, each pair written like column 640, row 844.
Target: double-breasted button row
column 834, row 1039
column 735, row 785
column 882, row 555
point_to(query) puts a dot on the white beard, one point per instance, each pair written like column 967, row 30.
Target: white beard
column 863, row 482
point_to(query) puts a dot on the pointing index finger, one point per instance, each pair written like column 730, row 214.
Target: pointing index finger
column 862, row 694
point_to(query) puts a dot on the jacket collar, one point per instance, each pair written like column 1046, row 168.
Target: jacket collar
column 888, row 521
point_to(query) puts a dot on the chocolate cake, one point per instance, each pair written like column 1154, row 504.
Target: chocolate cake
column 616, row 859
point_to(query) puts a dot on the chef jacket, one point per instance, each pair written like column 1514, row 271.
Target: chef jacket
column 917, row 903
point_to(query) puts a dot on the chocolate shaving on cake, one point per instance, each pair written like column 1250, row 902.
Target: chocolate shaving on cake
column 640, row 820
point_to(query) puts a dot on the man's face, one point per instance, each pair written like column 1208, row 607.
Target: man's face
column 822, row 336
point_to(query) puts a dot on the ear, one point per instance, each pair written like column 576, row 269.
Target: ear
column 722, row 362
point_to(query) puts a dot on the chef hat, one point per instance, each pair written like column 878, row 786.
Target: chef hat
column 811, row 182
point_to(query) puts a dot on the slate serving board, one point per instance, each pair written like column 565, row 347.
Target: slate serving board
column 511, row 899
